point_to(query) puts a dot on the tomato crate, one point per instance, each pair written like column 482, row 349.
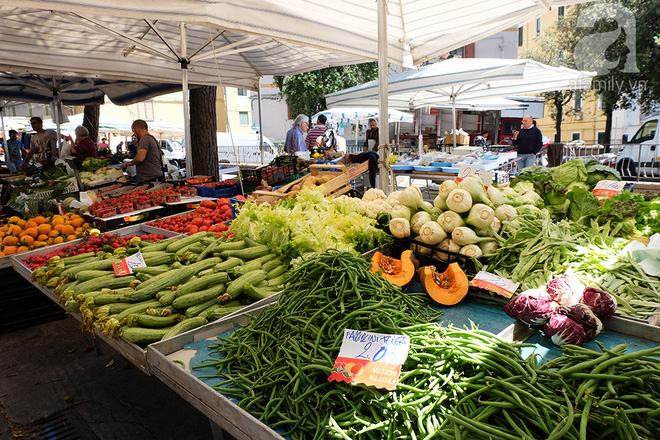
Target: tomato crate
column 226, row 188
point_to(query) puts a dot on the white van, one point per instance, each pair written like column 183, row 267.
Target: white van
column 174, row 152
column 641, row 154
column 247, row 149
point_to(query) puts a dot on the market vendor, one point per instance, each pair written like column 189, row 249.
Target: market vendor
column 372, row 135
column 43, row 145
column 529, row 141
column 83, row 146
column 295, row 137
column 148, row 158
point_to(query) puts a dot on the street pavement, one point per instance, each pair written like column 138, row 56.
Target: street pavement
column 53, row 381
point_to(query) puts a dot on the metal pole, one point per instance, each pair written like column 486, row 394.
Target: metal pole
column 383, row 71
column 57, row 121
column 5, row 137
column 261, row 124
column 186, row 102
column 453, row 116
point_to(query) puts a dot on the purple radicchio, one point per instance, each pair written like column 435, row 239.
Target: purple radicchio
column 563, row 330
column 565, row 289
column 533, row 307
column 601, row 303
column 583, row 315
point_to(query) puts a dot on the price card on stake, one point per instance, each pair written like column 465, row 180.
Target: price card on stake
column 133, row 218
column 608, row 188
column 126, row 265
column 494, row 283
column 370, row 358
column 466, row 170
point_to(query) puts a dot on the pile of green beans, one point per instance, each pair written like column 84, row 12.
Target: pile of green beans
column 278, row 365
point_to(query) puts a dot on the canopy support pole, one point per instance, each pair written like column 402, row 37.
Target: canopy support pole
column 58, row 120
column 186, row 103
column 5, row 137
column 453, row 116
column 261, row 127
column 383, row 73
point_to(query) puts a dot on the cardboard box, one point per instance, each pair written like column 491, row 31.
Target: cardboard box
column 461, row 139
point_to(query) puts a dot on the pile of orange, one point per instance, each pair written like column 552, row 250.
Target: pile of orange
column 20, row 235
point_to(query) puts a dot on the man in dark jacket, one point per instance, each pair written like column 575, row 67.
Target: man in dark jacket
column 529, row 141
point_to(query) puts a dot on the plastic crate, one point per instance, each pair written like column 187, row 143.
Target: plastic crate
column 71, row 187
column 236, row 205
column 219, row 192
column 251, row 178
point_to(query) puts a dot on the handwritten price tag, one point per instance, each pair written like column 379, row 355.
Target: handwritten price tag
column 608, row 188
column 466, row 170
column 370, row 358
column 132, row 218
column 494, row 283
column 126, row 265
column 193, row 205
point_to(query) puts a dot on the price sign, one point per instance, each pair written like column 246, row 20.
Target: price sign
column 494, row 283
column 193, row 205
column 126, row 265
column 466, row 170
column 370, row 358
column 608, row 188
column 132, row 218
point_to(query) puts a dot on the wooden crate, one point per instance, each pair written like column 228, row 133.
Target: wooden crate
column 338, row 185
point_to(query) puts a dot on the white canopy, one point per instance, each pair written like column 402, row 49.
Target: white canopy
column 358, row 115
column 464, row 80
column 106, row 124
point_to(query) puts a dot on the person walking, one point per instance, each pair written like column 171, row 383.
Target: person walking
column 529, row 141
column 295, row 137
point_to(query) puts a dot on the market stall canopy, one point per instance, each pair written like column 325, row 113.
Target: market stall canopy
column 464, row 80
column 360, row 115
column 106, row 124
column 166, row 130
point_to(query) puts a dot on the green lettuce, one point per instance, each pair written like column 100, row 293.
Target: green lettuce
column 572, row 171
column 583, row 205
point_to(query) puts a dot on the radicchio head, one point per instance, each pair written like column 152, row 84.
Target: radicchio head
column 583, row 315
column 563, row 330
column 533, row 307
column 601, row 303
column 565, row 289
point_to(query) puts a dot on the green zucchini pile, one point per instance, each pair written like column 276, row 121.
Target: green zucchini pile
column 187, row 282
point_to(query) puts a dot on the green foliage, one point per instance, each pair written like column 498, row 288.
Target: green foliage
column 305, row 92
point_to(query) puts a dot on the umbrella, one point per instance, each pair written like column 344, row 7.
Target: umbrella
column 460, row 80
column 201, row 41
column 106, row 123
column 358, row 115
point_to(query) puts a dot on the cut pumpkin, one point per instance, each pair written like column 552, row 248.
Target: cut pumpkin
column 398, row 272
column 446, row 288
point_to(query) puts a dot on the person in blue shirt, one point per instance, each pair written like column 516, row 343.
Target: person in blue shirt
column 13, row 151
column 529, row 141
column 295, row 137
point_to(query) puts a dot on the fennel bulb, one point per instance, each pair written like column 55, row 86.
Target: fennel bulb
column 475, row 187
column 432, row 233
column 440, row 202
column 419, row 248
column 400, row 211
column 412, row 198
column 480, row 216
column 459, row 200
column 445, row 246
column 449, row 220
column 471, row 250
column 400, row 227
column 505, row 212
column 446, row 187
column 464, row 236
column 418, row 220
column 488, row 246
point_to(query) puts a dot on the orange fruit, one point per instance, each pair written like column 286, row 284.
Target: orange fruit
column 2, row 234
column 21, row 223
column 16, row 229
column 14, row 219
column 58, row 227
column 31, row 224
column 68, row 230
column 9, row 240
column 2, row 254
column 22, row 234
column 85, row 225
column 10, row 250
column 4, row 228
column 71, row 237
column 50, row 240
column 22, row 249
column 34, row 232
column 58, row 240
column 77, row 222
column 43, row 228
column 27, row 240
column 57, row 220
column 42, row 237
column 39, row 219
column 53, row 233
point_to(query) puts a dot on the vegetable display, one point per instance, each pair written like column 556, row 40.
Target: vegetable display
column 209, row 216
column 398, row 272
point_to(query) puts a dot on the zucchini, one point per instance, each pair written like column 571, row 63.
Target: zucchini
column 276, row 272
column 94, row 265
column 227, row 264
column 115, row 308
column 197, row 248
column 103, row 299
column 191, row 299
column 72, row 306
column 251, row 243
column 199, row 308
column 255, row 264
column 247, row 253
column 158, row 258
column 137, row 308
column 185, row 241
column 108, row 281
column 160, row 246
column 143, row 335
column 149, row 288
column 209, row 249
column 181, row 253
column 166, row 297
column 220, row 311
column 235, row 288
column 184, row 326
column 257, row 293
column 150, row 321
column 151, row 270
column 196, row 284
column 273, row 282
column 272, row 264
column 230, row 246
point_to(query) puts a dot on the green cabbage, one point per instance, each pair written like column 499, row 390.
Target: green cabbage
column 572, row 171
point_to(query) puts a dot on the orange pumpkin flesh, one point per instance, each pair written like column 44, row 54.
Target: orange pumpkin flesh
column 446, row 288
column 398, row 272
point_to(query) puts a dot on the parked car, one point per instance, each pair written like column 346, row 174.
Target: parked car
column 640, row 155
column 247, row 150
column 174, row 152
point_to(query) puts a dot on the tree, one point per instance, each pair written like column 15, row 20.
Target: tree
column 203, row 126
column 91, row 116
column 305, row 92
